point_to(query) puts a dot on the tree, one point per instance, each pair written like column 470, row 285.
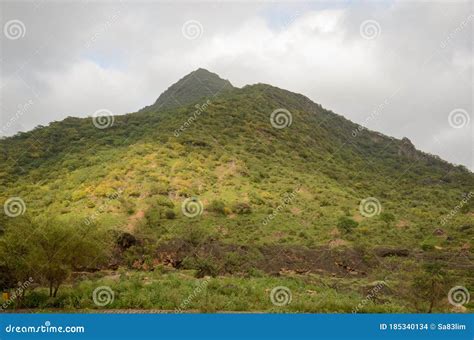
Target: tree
column 49, row 249
column 430, row 285
column 16, row 258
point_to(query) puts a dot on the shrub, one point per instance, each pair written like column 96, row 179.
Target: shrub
column 217, row 206
column 36, row 299
column 388, row 218
column 164, row 202
column 242, row 208
column 153, row 217
column 427, row 246
column 347, row 224
column 206, row 268
column 170, row 214
column 195, row 235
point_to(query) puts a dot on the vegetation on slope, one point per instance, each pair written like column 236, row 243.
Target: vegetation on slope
column 273, row 200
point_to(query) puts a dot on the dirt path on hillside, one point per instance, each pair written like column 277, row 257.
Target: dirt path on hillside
column 134, row 220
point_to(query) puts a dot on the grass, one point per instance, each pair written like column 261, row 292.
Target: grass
column 168, row 291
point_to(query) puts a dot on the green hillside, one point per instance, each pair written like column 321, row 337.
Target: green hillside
column 248, row 189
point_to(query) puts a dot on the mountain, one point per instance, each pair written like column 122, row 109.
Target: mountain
column 258, row 184
column 193, row 87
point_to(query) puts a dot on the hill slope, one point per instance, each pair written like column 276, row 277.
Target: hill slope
column 280, row 183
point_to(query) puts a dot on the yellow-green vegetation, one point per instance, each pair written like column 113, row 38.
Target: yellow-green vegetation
column 273, row 200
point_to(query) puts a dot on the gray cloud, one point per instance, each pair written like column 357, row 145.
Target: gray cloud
column 78, row 57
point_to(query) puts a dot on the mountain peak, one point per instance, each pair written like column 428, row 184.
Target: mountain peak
column 195, row 86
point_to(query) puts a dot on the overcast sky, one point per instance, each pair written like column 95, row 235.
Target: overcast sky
column 401, row 68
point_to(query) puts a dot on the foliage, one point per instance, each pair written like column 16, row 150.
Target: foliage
column 431, row 285
column 49, row 249
column 136, row 174
column 388, row 218
column 347, row 224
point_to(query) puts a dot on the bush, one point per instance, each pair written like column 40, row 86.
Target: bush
column 36, row 299
column 170, row 214
column 242, row 208
column 388, row 218
column 427, row 246
column 217, row 206
column 153, row 217
column 206, row 268
column 195, row 235
column 164, row 202
column 347, row 224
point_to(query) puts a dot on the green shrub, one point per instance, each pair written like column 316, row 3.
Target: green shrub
column 164, row 202
column 36, row 299
column 217, row 206
column 242, row 208
column 427, row 246
column 170, row 214
column 195, row 235
column 206, row 267
column 203, row 266
column 347, row 224
column 388, row 218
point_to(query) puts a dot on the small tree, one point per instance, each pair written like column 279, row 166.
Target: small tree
column 430, row 286
column 49, row 249
column 16, row 258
